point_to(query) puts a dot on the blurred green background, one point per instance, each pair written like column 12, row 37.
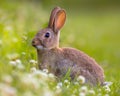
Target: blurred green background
column 92, row 26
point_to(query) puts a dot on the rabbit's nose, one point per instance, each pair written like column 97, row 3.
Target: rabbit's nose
column 35, row 42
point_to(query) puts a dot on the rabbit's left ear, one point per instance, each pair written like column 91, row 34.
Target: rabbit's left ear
column 59, row 20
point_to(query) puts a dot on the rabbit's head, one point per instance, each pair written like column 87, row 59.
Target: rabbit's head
column 48, row 38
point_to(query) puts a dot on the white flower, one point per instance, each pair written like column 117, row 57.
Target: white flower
column 81, row 79
column 58, row 91
column 51, row 75
column 29, row 81
column 18, row 61
column 32, row 61
column 92, row 92
column 13, row 56
column 76, row 83
column 33, row 69
column 13, row 63
column 106, row 95
column 67, row 83
column 59, row 85
column 7, row 79
column 82, row 94
column 45, row 70
column 47, row 92
column 108, row 83
column 7, row 90
column 99, row 94
column 84, row 89
column 40, row 75
column 20, row 66
column 107, row 88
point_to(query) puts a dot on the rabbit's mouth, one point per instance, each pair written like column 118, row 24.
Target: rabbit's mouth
column 38, row 44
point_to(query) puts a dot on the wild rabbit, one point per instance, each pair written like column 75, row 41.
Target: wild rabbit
column 59, row 60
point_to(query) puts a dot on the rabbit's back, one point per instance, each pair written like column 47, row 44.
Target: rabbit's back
column 84, row 65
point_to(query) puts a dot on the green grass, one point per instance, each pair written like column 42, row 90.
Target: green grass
column 97, row 34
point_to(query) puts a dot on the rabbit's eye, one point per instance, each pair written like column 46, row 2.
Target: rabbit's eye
column 47, row 35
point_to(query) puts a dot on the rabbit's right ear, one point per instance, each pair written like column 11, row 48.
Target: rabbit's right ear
column 52, row 17
column 59, row 20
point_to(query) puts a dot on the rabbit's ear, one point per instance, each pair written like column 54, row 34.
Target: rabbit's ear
column 59, row 20
column 52, row 17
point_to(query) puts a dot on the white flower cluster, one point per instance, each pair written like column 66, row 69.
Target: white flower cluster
column 36, row 82
column 33, row 61
column 81, row 90
column 107, row 86
column 17, row 63
column 44, row 83
column 84, row 91
column 6, row 90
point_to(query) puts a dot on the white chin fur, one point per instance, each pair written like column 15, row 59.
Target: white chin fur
column 39, row 47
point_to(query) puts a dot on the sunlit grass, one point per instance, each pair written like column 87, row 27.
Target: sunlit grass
column 96, row 34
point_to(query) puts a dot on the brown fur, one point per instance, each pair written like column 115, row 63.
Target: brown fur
column 60, row 60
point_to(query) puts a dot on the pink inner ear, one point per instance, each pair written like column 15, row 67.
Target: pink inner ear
column 60, row 19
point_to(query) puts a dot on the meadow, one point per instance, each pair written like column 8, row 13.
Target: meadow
column 97, row 33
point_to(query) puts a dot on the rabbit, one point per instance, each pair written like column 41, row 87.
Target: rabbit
column 59, row 60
